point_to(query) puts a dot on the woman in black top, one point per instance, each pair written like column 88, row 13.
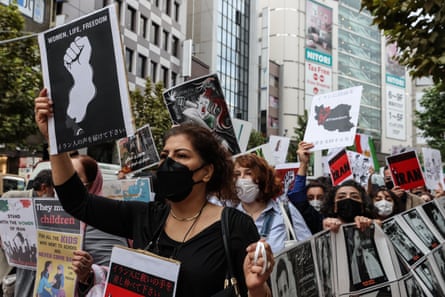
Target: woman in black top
column 187, row 228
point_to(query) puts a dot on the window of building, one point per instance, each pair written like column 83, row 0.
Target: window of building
column 174, row 78
column 154, row 34
column 167, row 7
column 175, row 46
column 164, row 72
column 143, row 26
column 154, row 69
column 129, row 59
column 141, row 66
column 176, row 12
column 130, row 18
column 157, row 3
column 165, row 40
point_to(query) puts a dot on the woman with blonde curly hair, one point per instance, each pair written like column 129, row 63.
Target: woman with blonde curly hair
column 257, row 188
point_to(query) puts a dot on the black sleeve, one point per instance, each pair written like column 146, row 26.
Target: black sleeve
column 111, row 216
column 313, row 219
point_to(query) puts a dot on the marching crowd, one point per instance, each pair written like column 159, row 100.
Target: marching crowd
column 195, row 181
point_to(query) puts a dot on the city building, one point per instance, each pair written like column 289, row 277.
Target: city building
column 326, row 45
column 223, row 35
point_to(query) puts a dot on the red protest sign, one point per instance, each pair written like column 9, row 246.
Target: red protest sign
column 286, row 173
column 405, row 170
column 340, row 168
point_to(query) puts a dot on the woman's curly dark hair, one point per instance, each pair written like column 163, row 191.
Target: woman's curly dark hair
column 263, row 174
column 212, row 152
column 369, row 210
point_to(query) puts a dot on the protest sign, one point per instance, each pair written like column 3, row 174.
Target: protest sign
column 138, row 151
column 84, row 73
column 18, row 232
column 333, row 119
column 279, row 146
column 201, row 100
column 262, row 151
column 136, row 273
column 286, row 173
column 58, row 236
column 339, row 167
column 360, row 166
column 432, row 163
column 405, row 170
column 130, row 189
column 242, row 132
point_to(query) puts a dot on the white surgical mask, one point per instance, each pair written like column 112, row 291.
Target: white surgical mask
column 315, row 204
column 384, row 207
column 247, row 190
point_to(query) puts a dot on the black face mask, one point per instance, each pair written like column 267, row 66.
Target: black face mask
column 174, row 180
column 348, row 209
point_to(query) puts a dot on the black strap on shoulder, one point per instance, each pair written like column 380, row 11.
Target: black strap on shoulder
column 230, row 278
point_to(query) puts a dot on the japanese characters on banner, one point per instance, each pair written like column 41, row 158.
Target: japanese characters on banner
column 136, row 273
column 395, row 95
column 318, row 49
column 84, row 73
column 201, row 100
column 432, row 164
column 242, row 132
column 333, row 119
column 133, row 189
column 340, row 168
column 279, row 146
column 395, row 113
column 405, row 170
column 138, row 151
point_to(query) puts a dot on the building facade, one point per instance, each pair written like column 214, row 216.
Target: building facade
column 326, row 45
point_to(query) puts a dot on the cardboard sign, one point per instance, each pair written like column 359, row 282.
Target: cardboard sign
column 339, row 168
column 405, row 170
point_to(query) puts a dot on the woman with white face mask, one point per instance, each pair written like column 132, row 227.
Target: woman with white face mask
column 384, row 203
column 257, row 186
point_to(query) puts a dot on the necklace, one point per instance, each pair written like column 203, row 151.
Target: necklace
column 178, row 247
column 193, row 217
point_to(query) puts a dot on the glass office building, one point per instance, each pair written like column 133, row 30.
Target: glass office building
column 359, row 63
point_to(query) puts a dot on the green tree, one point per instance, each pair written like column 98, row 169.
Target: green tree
column 20, row 79
column 431, row 120
column 256, row 138
column 298, row 136
column 417, row 27
column 148, row 107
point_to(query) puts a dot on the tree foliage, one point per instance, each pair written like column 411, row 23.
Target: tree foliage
column 256, row 138
column 298, row 136
column 149, row 108
column 418, row 28
column 431, row 120
column 20, row 80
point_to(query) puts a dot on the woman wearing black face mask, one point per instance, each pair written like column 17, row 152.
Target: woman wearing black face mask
column 348, row 203
column 187, row 228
